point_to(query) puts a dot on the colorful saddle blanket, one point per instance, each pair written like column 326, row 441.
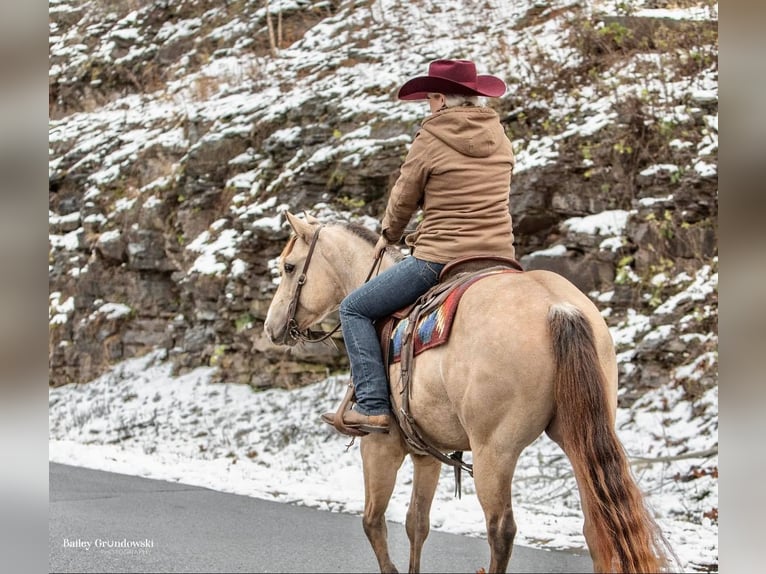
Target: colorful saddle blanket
column 433, row 329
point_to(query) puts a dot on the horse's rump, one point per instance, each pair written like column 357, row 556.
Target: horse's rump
column 494, row 372
column 432, row 323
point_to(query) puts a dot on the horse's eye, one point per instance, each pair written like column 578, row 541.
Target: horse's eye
column 289, row 267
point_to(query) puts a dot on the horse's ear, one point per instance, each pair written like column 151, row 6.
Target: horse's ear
column 310, row 218
column 301, row 227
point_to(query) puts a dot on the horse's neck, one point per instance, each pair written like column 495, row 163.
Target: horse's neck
column 357, row 262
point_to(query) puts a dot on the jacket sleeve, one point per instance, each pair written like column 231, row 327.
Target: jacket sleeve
column 407, row 193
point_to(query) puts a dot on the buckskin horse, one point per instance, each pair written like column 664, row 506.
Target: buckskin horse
column 528, row 353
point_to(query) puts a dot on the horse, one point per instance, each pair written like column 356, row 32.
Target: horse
column 528, row 353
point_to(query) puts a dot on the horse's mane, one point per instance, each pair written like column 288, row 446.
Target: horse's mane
column 368, row 235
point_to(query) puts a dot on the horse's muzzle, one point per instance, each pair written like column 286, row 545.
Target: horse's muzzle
column 279, row 336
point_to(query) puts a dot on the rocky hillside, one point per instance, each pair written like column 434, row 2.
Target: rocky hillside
column 181, row 131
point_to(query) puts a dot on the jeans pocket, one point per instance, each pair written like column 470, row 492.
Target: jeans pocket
column 430, row 271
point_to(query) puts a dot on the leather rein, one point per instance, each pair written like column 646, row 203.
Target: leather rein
column 309, row 335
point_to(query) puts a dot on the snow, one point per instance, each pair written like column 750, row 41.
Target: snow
column 629, row 330
column 693, row 13
column 113, row 310
column 268, row 223
column 656, row 168
column 59, row 311
column 705, row 169
column 68, row 241
column 224, row 245
column 139, row 419
column 649, row 201
column 176, row 30
column 55, row 219
column 704, row 285
column 607, row 223
column 109, row 236
column 555, row 251
column 238, row 267
column 611, row 244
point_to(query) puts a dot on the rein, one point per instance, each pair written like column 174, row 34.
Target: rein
column 309, row 335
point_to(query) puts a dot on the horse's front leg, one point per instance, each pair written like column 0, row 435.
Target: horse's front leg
column 382, row 455
column 425, row 479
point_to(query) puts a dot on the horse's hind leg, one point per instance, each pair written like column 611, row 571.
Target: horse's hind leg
column 591, row 538
column 492, row 475
column 382, row 455
column 425, row 480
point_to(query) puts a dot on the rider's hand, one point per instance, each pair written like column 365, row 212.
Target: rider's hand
column 380, row 246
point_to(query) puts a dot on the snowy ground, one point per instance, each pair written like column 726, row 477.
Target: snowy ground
column 138, row 419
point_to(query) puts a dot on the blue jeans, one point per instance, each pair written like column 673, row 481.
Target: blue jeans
column 393, row 289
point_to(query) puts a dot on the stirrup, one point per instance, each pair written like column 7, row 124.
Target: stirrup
column 345, row 405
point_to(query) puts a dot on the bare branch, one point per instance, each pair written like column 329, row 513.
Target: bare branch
column 272, row 41
column 687, row 455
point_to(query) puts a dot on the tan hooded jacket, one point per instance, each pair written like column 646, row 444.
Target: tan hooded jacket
column 458, row 170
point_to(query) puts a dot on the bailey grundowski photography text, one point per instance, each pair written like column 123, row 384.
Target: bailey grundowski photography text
column 108, row 543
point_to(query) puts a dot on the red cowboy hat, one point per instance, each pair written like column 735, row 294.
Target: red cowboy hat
column 452, row 77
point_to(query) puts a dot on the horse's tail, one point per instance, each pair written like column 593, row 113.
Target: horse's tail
column 625, row 536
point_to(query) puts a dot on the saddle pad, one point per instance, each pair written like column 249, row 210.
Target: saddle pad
column 434, row 328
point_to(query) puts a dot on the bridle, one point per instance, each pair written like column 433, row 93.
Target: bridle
column 309, row 335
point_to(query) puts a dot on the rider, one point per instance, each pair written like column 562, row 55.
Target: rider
column 458, row 170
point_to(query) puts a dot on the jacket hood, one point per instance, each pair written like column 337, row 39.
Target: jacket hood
column 472, row 131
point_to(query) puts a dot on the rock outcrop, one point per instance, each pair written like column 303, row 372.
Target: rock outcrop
column 179, row 135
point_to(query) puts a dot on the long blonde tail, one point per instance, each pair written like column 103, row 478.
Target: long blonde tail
column 627, row 538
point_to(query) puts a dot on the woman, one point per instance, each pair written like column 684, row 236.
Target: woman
column 458, row 170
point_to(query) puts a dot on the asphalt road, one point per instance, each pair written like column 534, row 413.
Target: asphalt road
column 107, row 522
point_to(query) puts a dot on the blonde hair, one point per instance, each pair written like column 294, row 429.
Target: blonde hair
column 457, row 100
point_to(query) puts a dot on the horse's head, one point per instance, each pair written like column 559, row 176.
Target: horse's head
column 308, row 289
